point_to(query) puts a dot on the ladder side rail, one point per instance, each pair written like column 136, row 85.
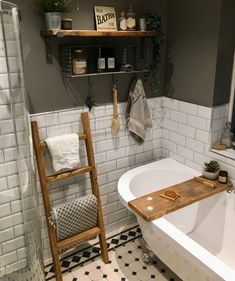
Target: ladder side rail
column 46, row 199
column 94, row 184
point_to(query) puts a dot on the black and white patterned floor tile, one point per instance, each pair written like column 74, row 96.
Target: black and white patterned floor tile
column 125, row 263
column 91, row 252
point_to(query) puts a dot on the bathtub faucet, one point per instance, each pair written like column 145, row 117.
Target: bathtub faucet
column 231, row 187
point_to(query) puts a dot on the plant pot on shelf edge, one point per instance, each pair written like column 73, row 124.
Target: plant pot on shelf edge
column 210, row 175
column 53, row 20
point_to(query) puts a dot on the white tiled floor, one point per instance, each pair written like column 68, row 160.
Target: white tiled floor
column 125, row 265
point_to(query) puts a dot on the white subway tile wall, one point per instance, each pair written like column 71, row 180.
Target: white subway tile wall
column 219, row 119
column 114, row 154
column 190, row 143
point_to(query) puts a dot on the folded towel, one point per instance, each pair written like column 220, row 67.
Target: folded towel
column 64, row 151
column 138, row 115
column 74, row 217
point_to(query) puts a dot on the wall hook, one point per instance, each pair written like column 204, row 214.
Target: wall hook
column 90, row 82
column 77, row 6
column 115, row 81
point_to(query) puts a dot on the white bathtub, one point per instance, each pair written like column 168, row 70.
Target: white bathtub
column 197, row 242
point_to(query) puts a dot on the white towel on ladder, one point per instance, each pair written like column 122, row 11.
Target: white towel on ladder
column 64, row 151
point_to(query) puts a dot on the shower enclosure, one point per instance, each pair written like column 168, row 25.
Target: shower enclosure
column 20, row 241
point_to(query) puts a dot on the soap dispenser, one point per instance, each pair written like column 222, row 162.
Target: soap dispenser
column 227, row 136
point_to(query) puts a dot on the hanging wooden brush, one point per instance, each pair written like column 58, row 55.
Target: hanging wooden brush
column 115, row 122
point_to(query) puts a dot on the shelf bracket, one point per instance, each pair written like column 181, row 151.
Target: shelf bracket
column 48, row 50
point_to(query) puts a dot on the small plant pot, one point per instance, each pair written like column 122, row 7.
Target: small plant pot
column 53, row 20
column 210, row 175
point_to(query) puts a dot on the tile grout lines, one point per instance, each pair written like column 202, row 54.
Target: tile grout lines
column 77, row 259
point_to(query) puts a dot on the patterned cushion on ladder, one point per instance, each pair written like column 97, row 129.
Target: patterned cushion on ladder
column 75, row 216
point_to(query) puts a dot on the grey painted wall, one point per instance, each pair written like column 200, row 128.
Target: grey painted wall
column 226, row 50
column 193, row 32
column 44, row 83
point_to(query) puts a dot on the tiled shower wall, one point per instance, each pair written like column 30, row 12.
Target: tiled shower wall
column 20, row 257
column 114, row 154
column 12, row 240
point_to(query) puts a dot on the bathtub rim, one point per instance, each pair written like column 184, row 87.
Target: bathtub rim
column 208, row 259
column 124, row 191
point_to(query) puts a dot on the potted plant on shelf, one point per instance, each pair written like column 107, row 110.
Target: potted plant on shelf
column 211, row 170
column 52, row 10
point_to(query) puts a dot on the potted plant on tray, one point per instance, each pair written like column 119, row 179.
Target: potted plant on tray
column 52, row 10
column 211, row 170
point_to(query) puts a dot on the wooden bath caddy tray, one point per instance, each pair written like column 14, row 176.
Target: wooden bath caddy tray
column 153, row 206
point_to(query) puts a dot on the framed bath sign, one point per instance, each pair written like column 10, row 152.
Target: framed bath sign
column 105, row 18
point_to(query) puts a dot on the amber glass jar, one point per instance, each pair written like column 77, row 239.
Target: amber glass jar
column 66, row 24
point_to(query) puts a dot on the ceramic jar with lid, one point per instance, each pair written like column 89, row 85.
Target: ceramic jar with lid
column 123, row 22
column 131, row 19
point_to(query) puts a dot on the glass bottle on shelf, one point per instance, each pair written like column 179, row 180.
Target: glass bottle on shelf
column 123, row 22
column 79, row 62
column 227, row 136
column 101, row 65
column 110, row 59
column 142, row 24
column 131, row 19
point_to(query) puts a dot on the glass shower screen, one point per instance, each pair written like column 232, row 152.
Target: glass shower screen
column 20, row 241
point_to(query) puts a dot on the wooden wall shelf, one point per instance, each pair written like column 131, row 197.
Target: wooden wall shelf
column 47, row 35
column 94, row 33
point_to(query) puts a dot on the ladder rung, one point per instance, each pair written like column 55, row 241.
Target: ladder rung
column 81, row 137
column 66, row 243
column 71, row 173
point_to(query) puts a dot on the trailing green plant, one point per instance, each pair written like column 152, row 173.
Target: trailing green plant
column 154, row 24
column 61, row 6
column 212, row 166
column 168, row 87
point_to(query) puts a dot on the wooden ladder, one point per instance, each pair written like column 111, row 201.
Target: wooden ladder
column 57, row 246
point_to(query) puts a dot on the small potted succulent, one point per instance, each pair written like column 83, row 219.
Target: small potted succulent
column 52, row 10
column 211, row 170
